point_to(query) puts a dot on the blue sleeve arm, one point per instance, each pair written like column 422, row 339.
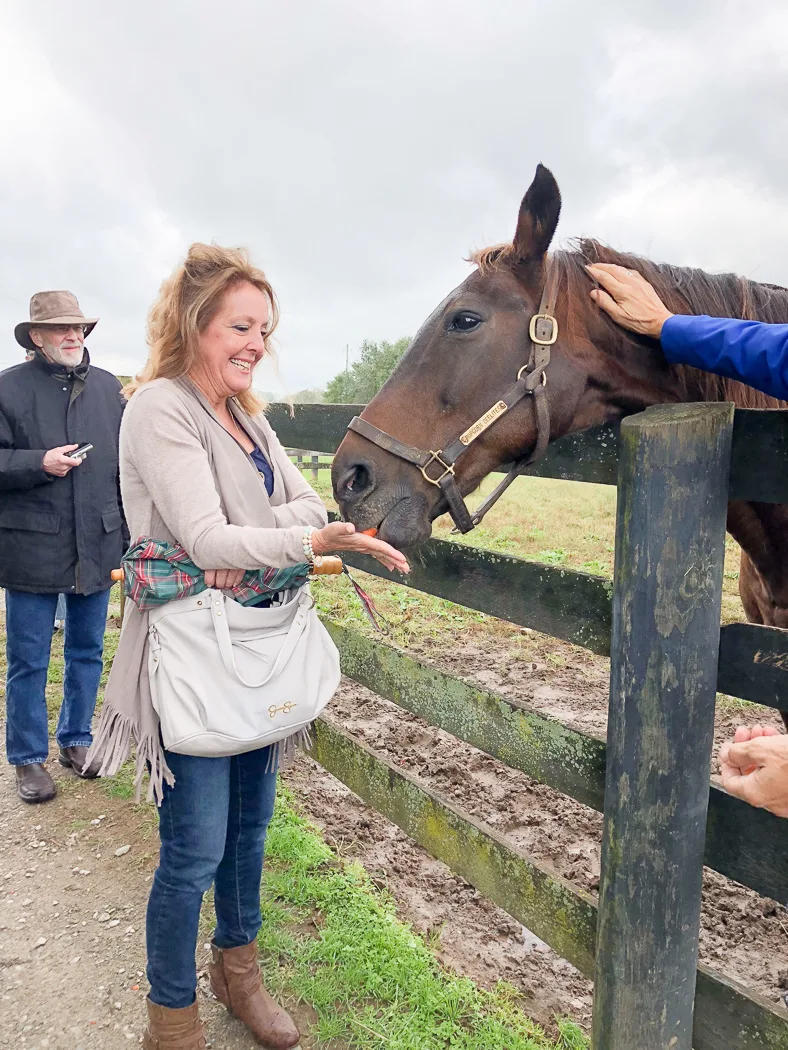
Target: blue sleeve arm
column 750, row 351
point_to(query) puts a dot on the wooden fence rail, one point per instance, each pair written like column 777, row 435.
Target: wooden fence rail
column 577, row 607
column 304, row 459
column 758, row 467
column 750, row 846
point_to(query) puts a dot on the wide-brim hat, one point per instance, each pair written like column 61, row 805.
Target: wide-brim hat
column 48, row 308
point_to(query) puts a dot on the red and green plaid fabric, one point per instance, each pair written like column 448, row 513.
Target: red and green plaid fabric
column 155, row 572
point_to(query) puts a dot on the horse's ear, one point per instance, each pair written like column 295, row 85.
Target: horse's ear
column 538, row 217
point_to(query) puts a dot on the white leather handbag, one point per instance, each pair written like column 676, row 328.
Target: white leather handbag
column 227, row 678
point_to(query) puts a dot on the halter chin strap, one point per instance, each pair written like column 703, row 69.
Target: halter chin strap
column 438, row 467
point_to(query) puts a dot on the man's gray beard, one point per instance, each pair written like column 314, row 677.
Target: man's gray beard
column 67, row 358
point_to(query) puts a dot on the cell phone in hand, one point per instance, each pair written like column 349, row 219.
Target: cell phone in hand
column 80, row 453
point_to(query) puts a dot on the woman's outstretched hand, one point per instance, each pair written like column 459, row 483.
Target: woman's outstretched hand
column 629, row 299
column 340, row 536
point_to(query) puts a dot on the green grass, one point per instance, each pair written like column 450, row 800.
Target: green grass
column 332, row 939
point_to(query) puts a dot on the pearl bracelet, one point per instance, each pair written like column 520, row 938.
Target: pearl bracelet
column 307, row 542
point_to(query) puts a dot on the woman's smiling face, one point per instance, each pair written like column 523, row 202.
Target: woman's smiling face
column 232, row 343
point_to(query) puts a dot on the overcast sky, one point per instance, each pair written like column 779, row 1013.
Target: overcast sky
column 360, row 148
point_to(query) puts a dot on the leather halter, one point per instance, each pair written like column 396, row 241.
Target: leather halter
column 438, row 467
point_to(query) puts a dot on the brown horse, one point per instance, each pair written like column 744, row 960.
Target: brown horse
column 474, row 343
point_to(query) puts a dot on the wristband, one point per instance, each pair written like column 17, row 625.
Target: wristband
column 307, row 543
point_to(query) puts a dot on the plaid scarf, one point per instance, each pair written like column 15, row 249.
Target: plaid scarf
column 156, row 572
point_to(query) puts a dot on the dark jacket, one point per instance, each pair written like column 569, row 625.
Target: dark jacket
column 753, row 352
column 59, row 534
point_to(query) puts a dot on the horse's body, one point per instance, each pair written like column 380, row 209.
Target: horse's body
column 472, row 346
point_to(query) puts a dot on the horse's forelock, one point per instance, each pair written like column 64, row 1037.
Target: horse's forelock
column 495, row 257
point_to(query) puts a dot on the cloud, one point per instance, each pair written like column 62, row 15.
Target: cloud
column 361, row 149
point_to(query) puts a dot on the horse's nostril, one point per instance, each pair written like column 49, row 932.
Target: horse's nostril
column 356, row 481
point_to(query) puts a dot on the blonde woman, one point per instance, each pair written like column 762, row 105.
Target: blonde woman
column 194, row 449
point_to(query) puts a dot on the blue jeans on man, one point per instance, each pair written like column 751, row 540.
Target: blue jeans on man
column 212, row 826
column 30, row 620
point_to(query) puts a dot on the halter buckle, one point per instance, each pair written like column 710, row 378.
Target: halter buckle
column 536, row 329
column 435, row 457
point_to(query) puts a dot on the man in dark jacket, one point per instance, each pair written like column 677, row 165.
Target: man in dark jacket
column 61, row 531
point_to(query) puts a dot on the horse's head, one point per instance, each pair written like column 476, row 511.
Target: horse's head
column 465, row 356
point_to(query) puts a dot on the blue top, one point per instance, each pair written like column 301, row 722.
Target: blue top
column 265, row 469
column 751, row 351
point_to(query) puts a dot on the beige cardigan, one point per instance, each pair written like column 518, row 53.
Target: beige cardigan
column 185, row 478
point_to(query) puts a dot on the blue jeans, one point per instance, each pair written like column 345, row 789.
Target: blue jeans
column 60, row 612
column 212, row 826
column 30, row 623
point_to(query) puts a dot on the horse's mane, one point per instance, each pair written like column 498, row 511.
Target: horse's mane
column 683, row 289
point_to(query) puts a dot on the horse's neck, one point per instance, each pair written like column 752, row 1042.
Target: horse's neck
column 761, row 530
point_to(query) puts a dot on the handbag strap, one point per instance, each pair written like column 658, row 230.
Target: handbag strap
column 222, row 630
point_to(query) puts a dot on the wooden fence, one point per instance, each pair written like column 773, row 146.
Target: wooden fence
column 304, row 459
column 676, row 468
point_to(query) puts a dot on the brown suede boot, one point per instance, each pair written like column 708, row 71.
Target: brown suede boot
column 173, row 1029
column 236, row 982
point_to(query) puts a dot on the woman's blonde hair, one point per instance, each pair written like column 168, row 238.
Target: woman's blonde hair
column 186, row 305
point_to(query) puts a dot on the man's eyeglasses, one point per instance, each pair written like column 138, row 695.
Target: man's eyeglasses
column 64, row 329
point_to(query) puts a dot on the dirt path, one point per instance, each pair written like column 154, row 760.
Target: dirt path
column 72, row 922
column 71, row 918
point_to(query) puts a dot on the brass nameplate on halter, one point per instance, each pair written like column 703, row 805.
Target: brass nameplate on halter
column 483, row 422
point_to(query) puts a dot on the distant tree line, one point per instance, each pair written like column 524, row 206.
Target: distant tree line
column 366, row 375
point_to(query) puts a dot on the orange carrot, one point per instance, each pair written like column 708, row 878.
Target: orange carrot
column 369, row 532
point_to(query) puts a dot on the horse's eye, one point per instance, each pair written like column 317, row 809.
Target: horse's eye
column 465, row 321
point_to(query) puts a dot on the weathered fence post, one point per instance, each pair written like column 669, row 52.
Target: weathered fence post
column 315, row 466
column 670, row 546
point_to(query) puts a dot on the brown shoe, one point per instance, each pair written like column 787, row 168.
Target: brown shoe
column 34, row 784
column 173, row 1029
column 235, row 981
column 74, row 758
